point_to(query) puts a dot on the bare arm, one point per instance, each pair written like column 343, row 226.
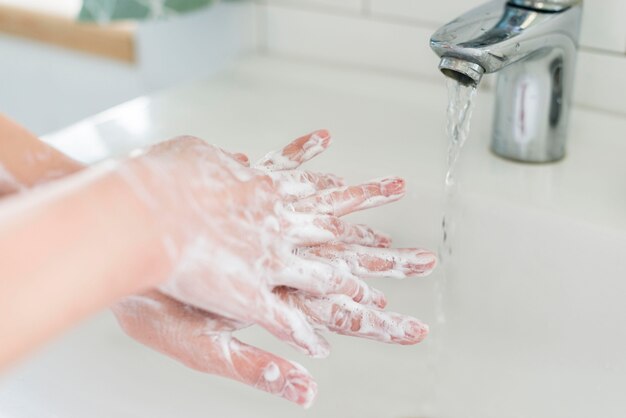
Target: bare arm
column 67, row 251
column 26, row 161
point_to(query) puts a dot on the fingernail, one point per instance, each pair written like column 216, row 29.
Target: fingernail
column 242, row 157
column 321, row 135
column 300, row 388
column 430, row 263
column 423, row 264
column 384, row 241
column 317, row 139
column 379, row 298
column 416, row 331
column 394, row 186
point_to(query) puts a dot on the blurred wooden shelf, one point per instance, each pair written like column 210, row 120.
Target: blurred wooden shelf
column 116, row 40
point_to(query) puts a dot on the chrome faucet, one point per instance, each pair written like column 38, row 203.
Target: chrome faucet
column 532, row 44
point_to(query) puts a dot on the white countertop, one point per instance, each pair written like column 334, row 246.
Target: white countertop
column 381, row 125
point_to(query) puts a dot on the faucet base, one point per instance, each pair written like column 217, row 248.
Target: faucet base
column 532, row 106
column 525, row 161
column 525, row 157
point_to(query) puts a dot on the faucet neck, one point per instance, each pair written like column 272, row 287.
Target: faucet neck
column 546, row 5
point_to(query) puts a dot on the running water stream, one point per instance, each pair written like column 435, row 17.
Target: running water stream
column 460, row 108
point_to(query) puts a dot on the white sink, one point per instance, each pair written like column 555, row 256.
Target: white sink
column 534, row 302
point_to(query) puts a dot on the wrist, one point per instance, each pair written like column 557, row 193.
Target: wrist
column 142, row 233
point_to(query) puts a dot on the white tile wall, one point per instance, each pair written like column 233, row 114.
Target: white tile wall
column 604, row 25
column 602, row 82
column 350, row 40
column 393, row 35
column 339, row 5
column 434, row 12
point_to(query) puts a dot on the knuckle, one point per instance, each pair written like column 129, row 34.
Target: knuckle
column 341, row 318
column 338, row 225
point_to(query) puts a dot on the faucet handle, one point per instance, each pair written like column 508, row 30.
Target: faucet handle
column 546, row 5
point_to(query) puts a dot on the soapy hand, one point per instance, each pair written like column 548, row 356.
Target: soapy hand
column 277, row 255
column 231, row 238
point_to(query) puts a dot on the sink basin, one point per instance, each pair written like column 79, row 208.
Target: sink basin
column 527, row 321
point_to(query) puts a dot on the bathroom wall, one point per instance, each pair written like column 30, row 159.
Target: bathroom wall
column 392, row 36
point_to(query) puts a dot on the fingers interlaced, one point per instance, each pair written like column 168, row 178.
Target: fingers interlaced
column 306, row 229
column 333, row 255
column 320, row 286
column 342, row 315
column 320, row 278
column 290, row 326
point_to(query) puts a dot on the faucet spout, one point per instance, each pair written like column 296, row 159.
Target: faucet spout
column 463, row 71
column 532, row 45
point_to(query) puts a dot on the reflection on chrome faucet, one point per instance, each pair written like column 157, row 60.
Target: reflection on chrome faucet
column 532, row 45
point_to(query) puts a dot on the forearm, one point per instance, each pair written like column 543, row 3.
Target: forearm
column 68, row 250
column 26, row 161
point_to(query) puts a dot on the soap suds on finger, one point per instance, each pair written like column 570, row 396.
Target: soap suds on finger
column 271, row 372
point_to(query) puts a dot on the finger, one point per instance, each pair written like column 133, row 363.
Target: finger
column 298, row 184
column 297, row 152
column 342, row 315
column 319, row 278
column 272, row 374
column 368, row 262
column 346, row 317
column 257, row 368
column 340, row 202
column 306, row 229
column 203, row 341
column 291, row 326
